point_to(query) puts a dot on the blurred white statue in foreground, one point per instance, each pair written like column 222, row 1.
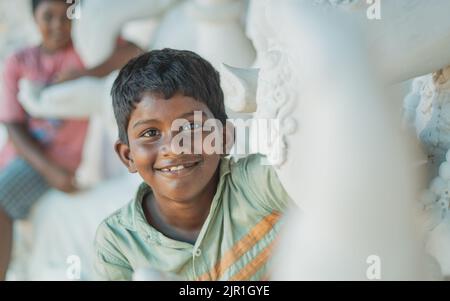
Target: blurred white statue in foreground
column 344, row 159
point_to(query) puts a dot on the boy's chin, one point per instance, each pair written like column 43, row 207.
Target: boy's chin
column 180, row 193
column 180, row 197
column 58, row 44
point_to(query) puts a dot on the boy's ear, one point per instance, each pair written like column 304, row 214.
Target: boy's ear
column 228, row 137
column 123, row 150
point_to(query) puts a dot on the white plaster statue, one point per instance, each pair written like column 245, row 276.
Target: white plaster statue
column 211, row 28
column 426, row 109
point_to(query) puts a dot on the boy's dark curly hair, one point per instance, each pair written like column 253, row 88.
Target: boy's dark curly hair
column 36, row 3
column 166, row 72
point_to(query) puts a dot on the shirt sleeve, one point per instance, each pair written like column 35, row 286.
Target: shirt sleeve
column 261, row 180
column 10, row 108
column 110, row 264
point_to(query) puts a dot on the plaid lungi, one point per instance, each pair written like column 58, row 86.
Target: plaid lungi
column 20, row 188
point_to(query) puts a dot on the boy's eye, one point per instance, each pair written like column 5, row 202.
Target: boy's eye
column 190, row 126
column 151, row 133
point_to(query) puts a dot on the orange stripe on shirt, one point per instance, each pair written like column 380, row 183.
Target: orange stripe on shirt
column 241, row 247
column 253, row 266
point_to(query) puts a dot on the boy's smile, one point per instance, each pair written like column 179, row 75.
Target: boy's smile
column 180, row 177
column 175, row 169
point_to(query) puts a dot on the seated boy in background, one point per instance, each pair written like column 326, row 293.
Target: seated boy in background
column 40, row 153
column 198, row 215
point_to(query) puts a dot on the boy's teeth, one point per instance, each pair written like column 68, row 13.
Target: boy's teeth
column 175, row 168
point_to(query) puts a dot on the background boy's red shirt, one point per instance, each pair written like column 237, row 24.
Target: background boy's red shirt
column 62, row 139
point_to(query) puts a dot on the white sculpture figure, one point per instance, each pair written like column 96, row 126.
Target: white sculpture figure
column 426, row 108
column 211, row 28
column 346, row 161
column 60, row 102
column 101, row 22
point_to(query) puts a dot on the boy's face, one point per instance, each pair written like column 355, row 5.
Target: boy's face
column 177, row 176
column 53, row 24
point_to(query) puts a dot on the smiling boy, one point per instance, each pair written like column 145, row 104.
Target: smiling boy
column 198, row 215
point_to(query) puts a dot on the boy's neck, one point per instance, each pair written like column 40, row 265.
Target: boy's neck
column 180, row 220
column 50, row 51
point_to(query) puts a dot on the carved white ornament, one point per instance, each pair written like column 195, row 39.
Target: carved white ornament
column 276, row 98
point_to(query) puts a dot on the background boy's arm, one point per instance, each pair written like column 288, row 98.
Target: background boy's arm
column 121, row 55
column 13, row 117
column 29, row 149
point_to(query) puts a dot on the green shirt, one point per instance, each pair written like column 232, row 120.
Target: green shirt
column 234, row 243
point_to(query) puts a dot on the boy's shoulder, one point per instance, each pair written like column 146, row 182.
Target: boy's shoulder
column 25, row 53
column 113, row 236
column 110, row 245
column 20, row 57
column 113, row 224
column 123, row 219
column 31, row 55
column 239, row 168
column 251, row 158
column 247, row 165
column 254, row 178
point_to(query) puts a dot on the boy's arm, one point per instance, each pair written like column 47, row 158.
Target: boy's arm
column 121, row 55
column 29, row 149
column 14, row 118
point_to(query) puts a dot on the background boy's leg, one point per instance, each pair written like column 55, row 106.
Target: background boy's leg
column 6, row 228
column 20, row 188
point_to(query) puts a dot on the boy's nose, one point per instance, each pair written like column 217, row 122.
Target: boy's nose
column 167, row 148
column 58, row 23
